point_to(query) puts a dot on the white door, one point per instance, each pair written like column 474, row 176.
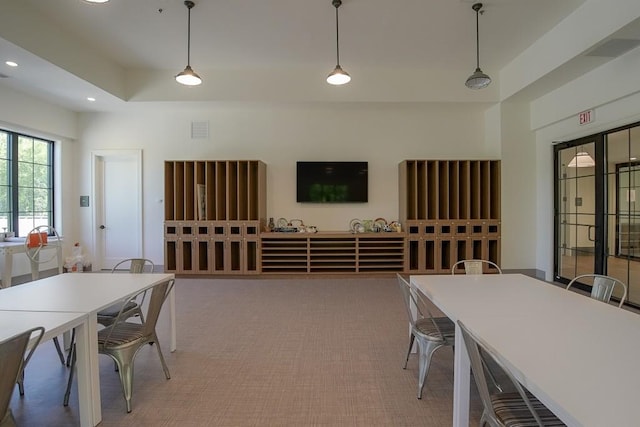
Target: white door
column 117, row 207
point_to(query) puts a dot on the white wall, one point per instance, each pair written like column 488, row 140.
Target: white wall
column 613, row 91
column 382, row 134
column 23, row 113
column 519, row 184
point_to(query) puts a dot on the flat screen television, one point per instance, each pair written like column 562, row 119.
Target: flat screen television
column 332, row 182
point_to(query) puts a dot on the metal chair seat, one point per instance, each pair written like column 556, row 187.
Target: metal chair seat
column 126, row 334
column 444, row 331
column 512, row 411
column 107, row 316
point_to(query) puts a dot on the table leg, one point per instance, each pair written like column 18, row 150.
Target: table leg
column 7, row 272
column 172, row 318
column 60, row 260
column 88, row 372
column 35, row 266
column 461, row 382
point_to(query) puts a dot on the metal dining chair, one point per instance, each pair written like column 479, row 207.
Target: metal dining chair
column 475, row 266
column 132, row 308
column 430, row 333
column 503, row 408
column 122, row 340
column 13, row 362
column 602, row 287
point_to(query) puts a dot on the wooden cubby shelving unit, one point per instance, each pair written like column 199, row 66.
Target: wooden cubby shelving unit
column 214, row 212
column 332, row 252
column 451, row 211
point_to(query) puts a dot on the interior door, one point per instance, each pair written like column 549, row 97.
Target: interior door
column 623, row 219
column 579, row 225
column 117, row 186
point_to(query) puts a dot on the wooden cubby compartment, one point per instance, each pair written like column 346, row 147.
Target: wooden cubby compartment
column 332, row 255
column 223, row 235
column 380, row 254
column 332, row 252
column 451, row 211
column 284, row 253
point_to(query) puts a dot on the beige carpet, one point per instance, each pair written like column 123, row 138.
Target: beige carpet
column 286, row 352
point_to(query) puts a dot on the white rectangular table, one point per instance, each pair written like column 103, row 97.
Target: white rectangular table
column 82, row 295
column 55, row 323
column 579, row 356
column 8, row 249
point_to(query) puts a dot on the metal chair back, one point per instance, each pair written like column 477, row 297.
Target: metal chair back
column 602, row 287
column 478, row 355
column 416, row 306
column 13, row 361
column 136, row 265
column 475, row 266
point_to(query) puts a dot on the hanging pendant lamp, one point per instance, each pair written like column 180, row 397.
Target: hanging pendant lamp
column 189, row 77
column 478, row 80
column 338, row 76
column 582, row 160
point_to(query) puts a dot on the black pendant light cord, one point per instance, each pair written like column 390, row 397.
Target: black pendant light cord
column 337, row 4
column 189, row 5
column 477, row 8
column 477, row 39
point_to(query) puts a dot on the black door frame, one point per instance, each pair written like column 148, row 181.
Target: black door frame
column 598, row 141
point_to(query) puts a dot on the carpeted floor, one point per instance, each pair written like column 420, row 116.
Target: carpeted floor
column 253, row 352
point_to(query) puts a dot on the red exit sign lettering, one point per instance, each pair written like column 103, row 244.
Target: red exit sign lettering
column 586, row 117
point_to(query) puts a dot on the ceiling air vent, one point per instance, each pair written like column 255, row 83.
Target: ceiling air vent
column 3, row 76
column 199, row 130
column 614, row 48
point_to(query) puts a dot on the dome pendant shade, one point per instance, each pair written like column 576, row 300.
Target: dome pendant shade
column 478, row 80
column 338, row 76
column 582, row 160
column 188, row 77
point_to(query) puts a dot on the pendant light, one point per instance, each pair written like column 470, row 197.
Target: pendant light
column 338, row 76
column 189, row 77
column 477, row 80
column 582, row 160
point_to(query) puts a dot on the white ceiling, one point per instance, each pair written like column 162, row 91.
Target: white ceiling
column 263, row 50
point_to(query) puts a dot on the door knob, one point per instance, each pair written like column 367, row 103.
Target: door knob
column 102, row 227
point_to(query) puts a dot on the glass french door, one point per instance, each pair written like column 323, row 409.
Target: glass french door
column 579, row 231
column 597, row 208
column 623, row 218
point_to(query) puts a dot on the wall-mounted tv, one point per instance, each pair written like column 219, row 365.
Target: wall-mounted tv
column 332, row 182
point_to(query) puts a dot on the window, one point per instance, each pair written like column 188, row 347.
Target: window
column 26, row 182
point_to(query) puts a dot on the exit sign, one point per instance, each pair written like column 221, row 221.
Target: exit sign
column 586, row 117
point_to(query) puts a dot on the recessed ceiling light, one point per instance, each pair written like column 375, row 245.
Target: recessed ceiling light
column 96, row 1
column 90, row 98
column 11, row 63
column 633, row 158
